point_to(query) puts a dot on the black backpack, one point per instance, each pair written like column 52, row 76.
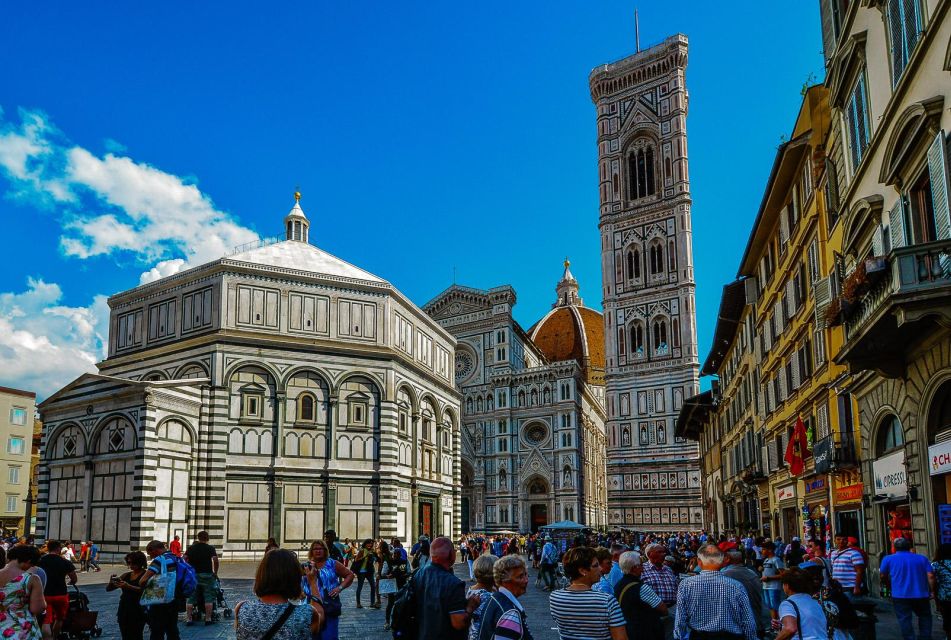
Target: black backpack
column 403, row 622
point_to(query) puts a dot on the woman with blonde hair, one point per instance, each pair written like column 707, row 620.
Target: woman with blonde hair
column 332, row 578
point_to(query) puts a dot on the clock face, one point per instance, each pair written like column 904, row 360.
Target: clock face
column 465, row 366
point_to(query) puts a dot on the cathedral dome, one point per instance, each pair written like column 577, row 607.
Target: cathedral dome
column 571, row 331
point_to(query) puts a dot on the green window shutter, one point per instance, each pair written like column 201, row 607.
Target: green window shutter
column 938, row 170
column 896, row 225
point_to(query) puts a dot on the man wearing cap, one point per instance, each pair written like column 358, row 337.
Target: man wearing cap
column 848, row 567
column 908, row 576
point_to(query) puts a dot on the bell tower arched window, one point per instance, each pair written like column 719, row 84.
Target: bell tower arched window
column 640, row 168
column 637, row 338
column 656, row 258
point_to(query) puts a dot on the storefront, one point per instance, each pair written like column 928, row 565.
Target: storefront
column 815, row 510
column 787, row 512
column 847, row 507
column 893, row 512
column 939, row 466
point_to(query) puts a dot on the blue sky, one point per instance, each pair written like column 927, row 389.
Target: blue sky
column 425, row 138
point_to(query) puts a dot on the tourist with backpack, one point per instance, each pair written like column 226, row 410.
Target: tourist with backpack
column 167, row 582
column 204, row 558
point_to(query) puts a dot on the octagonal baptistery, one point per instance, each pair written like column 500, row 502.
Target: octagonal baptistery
column 276, row 392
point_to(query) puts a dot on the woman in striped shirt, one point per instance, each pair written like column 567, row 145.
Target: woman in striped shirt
column 581, row 613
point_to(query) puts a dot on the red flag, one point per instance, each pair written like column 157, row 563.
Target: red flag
column 798, row 448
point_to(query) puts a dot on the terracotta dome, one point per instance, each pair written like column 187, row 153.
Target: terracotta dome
column 573, row 332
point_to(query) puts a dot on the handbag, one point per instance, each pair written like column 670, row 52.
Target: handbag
column 288, row 610
column 332, row 605
column 161, row 588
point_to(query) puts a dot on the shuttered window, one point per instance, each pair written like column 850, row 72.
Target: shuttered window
column 857, row 121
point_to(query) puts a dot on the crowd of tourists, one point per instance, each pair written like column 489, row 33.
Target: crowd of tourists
column 601, row 587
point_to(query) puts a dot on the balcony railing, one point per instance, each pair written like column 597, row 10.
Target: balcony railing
column 834, row 452
column 898, row 310
column 912, row 270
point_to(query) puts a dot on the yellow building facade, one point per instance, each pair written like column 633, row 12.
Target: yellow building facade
column 772, row 359
column 17, row 410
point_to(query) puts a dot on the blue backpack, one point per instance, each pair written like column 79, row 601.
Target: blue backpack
column 186, row 580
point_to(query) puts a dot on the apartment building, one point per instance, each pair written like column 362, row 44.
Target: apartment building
column 17, row 409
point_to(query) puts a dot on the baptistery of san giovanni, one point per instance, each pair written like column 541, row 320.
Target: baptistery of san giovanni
column 275, row 392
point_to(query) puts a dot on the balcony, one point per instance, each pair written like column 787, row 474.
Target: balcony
column 753, row 473
column 835, row 452
column 902, row 308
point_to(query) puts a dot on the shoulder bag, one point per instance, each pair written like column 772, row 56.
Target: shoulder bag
column 288, row 610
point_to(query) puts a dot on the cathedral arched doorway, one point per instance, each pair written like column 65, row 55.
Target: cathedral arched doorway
column 538, row 504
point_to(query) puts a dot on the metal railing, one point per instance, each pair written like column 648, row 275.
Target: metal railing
column 910, row 270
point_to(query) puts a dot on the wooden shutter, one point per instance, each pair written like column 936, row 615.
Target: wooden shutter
column 820, row 343
column 878, row 241
column 791, row 304
column 896, row 224
column 751, row 289
column 778, row 316
column 783, row 391
column 828, row 29
column 760, row 401
column 823, row 293
column 938, row 170
column 796, row 379
column 822, row 418
column 784, row 226
column 772, row 460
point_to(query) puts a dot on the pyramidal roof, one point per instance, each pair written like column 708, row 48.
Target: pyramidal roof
column 301, row 256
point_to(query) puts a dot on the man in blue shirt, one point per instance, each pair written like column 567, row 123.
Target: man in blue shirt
column 908, row 575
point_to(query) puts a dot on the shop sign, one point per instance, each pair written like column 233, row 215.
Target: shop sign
column 822, row 454
column 815, row 485
column 939, row 457
column 785, row 493
column 890, row 478
column 851, row 493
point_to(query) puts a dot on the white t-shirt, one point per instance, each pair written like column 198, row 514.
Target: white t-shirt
column 812, row 621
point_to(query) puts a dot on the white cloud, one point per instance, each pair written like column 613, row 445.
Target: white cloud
column 109, row 205
column 44, row 344
column 114, row 205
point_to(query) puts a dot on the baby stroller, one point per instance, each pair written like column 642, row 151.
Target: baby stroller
column 219, row 606
column 80, row 623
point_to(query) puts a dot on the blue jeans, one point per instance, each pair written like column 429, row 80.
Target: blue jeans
column 921, row 607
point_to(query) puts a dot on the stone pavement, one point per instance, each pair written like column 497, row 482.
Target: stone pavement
column 362, row 624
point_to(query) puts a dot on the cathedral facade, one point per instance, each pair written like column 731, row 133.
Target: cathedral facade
column 648, row 286
column 532, row 440
column 276, row 392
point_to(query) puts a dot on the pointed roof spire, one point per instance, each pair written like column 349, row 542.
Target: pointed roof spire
column 567, row 289
column 296, row 223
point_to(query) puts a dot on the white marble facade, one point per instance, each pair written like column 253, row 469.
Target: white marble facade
column 278, row 391
column 532, row 447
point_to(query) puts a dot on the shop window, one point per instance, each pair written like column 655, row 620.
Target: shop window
column 890, row 435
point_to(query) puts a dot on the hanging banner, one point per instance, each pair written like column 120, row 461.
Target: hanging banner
column 822, row 454
column 890, row 479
